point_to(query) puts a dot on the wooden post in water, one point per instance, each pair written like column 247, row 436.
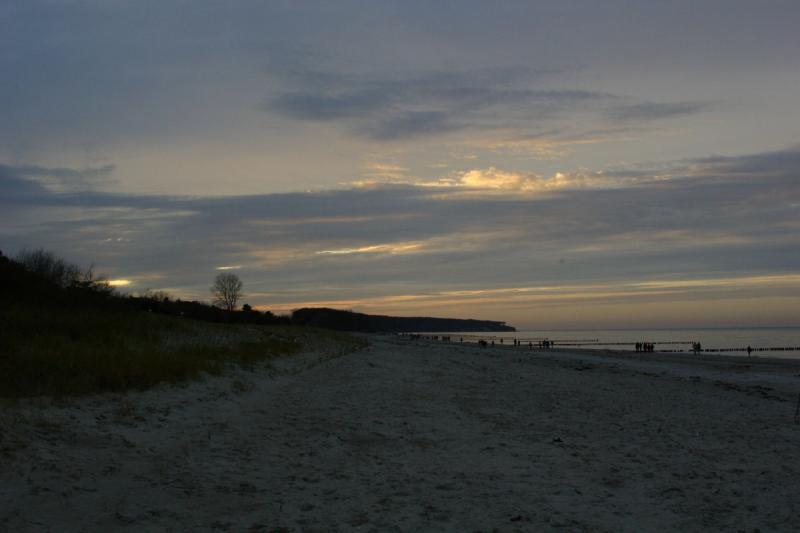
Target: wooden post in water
column 797, row 411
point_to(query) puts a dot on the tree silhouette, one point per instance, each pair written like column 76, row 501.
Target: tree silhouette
column 60, row 272
column 227, row 290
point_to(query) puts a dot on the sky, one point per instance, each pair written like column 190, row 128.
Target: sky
column 562, row 164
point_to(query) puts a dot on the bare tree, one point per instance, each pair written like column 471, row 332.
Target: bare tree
column 227, row 290
column 47, row 265
column 60, row 272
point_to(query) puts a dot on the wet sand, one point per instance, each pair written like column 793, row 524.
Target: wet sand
column 419, row 436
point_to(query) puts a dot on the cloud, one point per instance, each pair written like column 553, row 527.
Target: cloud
column 61, row 179
column 500, row 181
column 708, row 218
column 388, row 108
column 322, row 107
column 778, row 163
column 13, row 185
column 530, row 182
column 649, row 111
column 552, row 143
column 504, row 107
column 85, row 78
column 394, row 248
column 410, row 124
column 391, row 171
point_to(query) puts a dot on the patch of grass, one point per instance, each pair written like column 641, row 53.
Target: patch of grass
column 83, row 349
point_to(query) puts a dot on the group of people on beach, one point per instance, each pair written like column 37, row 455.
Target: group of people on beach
column 645, row 347
column 544, row 344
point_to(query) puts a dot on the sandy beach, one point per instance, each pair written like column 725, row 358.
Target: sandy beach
column 419, row 436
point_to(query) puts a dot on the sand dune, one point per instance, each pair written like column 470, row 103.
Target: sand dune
column 414, row 436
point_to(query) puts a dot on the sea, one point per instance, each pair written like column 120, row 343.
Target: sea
column 765, row 342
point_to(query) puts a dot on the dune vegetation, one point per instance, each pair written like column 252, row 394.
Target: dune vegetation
column 76, row 337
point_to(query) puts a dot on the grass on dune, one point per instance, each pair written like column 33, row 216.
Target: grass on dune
column 60, row 338
column 57, row 351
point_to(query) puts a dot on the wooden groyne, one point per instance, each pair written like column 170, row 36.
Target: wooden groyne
column 537, row 342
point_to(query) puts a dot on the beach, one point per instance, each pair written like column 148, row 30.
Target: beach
column 419, row 436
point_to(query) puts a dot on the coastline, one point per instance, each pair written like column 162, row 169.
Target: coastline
column 419, row 435
column 777, row 362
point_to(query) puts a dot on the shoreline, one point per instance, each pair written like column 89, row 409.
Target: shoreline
column 676, row 341
column 662, row 356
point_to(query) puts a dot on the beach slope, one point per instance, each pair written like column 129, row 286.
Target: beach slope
column 411, row 436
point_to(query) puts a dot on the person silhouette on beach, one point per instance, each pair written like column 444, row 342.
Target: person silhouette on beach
column 749, row 350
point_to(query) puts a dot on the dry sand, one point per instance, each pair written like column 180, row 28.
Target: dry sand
column 415, row 436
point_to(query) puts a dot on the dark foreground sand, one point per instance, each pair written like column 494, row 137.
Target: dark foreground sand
column 418, row 437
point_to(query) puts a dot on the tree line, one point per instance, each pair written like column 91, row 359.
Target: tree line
column 41, row 274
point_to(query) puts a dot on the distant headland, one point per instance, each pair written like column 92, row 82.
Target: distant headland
column 324, row 317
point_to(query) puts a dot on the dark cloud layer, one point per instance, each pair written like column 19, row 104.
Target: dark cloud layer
column 395, row 107
column 61, row 178
column 14, row 185
column 657, row 111
column 410, row 124
column 712, row 217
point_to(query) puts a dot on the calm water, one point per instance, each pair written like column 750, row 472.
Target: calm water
column 727, row 341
